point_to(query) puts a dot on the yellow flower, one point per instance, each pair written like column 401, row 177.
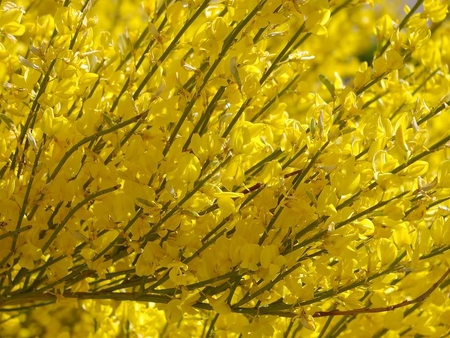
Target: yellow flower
column 223, row 168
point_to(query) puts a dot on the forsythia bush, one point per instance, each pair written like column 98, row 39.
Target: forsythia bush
column 226, row 168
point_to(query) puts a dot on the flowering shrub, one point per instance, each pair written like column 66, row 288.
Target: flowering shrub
column 230, row 168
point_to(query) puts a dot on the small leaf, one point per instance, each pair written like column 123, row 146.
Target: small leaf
column 32, row 140
column 234, row 71
column 308, row 321
column 28, row 63
column 312, row 126
column 154, row 32
column 188, row 67
column 145, row 202
column 327, row 83
column 190, row 213
column 7, row 120
column 108, row 120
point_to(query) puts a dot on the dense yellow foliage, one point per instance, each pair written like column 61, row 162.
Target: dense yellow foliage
column 226, row 168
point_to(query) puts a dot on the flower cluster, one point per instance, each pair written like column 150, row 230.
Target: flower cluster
column 232, row 168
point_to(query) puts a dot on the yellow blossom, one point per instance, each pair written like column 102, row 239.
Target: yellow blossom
column 254, row 168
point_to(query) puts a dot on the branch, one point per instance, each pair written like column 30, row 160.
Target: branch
column 24, row 301
column 419, row 299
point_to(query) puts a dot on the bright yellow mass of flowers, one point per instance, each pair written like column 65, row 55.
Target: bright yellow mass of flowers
column 224, row 168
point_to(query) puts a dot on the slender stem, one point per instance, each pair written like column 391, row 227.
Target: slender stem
column 91, row 138
column 73, row 211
